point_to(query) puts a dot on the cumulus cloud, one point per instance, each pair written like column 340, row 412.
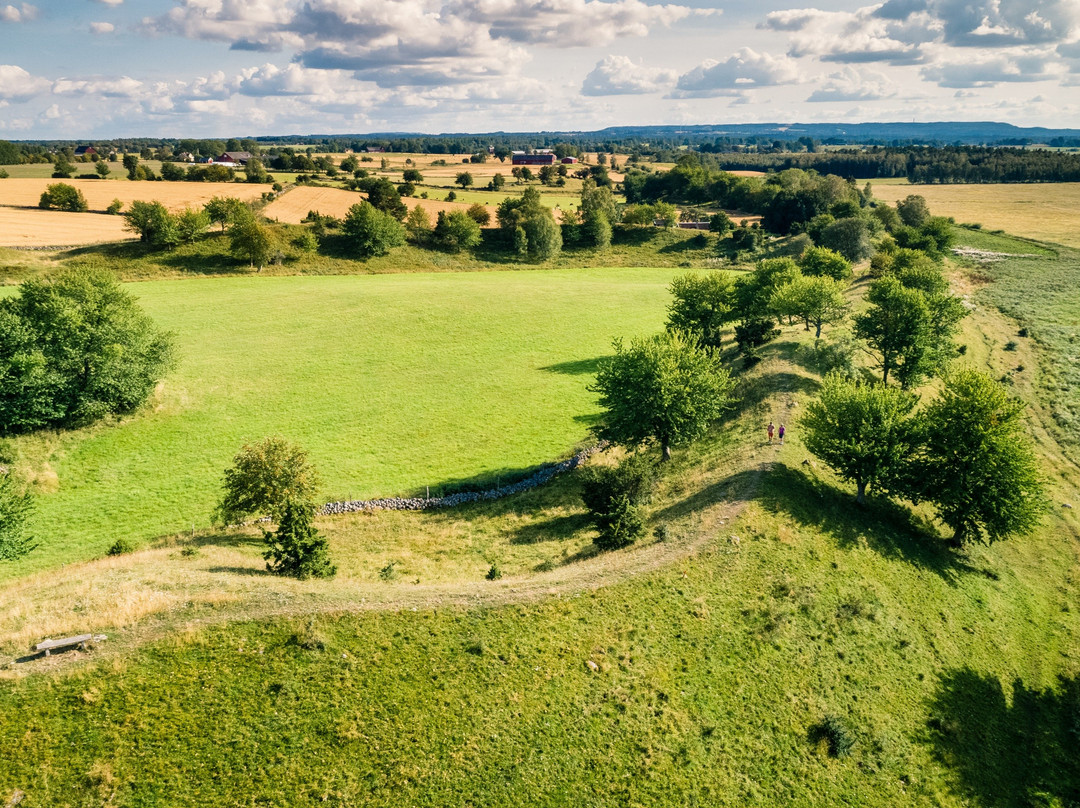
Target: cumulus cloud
column 620, row 75
column 745, row 69
column 413, row 42
column 852, row 37
column 102, row 27
column 21, row 13
column 18, row 85
column 111, row 2
column 122, row 87
column 853, row 85
column 988, row 23
column 989, row 72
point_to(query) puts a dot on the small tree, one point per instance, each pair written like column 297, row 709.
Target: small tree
column 497, row 182
column 255, row 171
column 817, row 301
column 615, row 496
column 702, row 305
column 191, row 223
column 898, row 329
column 16, row 505
column 172, row 172
column 61, row 196
column 370, row 232
column 666, row 389
column 296, row 548
column 102, row 169
column 721, row 224
column 864, row 433
column 412, row 175
column 849, row 237
column 479, row 214
column 224, row 210
column 976, row 463
column 456, row 231
column 131, row 165
column 154, row 224
column 826, row 263
column 464, row 179
column 913, row 210
column 418, row 225
column 264, row 477
column 251, row 241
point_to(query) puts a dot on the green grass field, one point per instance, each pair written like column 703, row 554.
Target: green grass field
column 393, row 383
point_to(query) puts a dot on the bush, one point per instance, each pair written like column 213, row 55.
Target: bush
column 479, row 214
column 61, row 196
column 834, row 731
column 120, row 547
column 494, row 573
column 389, row 572
column 16, row 505
column 114, row 207
column 306, row 241
column 297, row 549
column 614, row 496
column 456, row 231
column 371, row 232
column 154, row 224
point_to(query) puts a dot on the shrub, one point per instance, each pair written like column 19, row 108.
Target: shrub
column 16, row 505
column 309, row 638
column 479, row 214
column 120, row 547
column 1011, row 345
column 455, row 231
column 154, row 224
column 614, row 496
column 494, row 573
column 306, row 241
column 389, row 572
column 834, row 731
column 114, row 207
column 61, row 196
column 371, row 232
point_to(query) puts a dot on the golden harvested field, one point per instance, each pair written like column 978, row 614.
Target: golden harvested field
column 23, row 227
column 1044, row 211
column 15, row 192
column 292, row 206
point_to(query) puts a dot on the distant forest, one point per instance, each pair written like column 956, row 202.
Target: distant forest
column 1055, row 160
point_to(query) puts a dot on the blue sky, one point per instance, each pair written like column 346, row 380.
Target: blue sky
column 84, row 69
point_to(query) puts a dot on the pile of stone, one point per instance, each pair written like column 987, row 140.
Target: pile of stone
column 538, row 478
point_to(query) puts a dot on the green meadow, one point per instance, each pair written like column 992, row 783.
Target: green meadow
column 393, row 383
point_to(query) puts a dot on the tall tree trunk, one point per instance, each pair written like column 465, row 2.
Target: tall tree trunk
column 860, row 492
column 818, row 334
column 665, row 450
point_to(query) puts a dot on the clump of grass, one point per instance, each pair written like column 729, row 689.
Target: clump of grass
column 190, row 552
column 389, row 572
column 661, row 533
column 834, row 731
column 545, row 566
column 120, row 547
column 308, row 638
column 1011, row 345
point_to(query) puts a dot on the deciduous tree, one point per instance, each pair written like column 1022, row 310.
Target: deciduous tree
column 264, row 478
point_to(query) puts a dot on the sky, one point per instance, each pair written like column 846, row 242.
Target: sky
column 85, row 69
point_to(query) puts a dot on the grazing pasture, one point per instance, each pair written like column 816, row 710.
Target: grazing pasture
column 1044, row 211
column 392, row 382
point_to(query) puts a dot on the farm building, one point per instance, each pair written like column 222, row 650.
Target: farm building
column 542, row 158
column 233, row 158
column 85, row 151
column 569, row 161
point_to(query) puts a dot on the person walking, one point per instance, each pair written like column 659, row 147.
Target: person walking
column 769, row 429
column 781, row 434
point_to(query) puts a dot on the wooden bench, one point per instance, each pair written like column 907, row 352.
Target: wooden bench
column 48, row 646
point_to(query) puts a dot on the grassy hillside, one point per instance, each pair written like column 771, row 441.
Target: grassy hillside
column 712, row 674
column 393, row 383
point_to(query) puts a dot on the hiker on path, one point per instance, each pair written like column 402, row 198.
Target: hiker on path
column 769, row 429
column 781, row 433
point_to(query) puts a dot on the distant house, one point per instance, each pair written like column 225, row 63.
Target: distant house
column 540, row 158
column 185, row 157
column 375, row 150
column 85, row 151
column 569, row 161
column 232, row 159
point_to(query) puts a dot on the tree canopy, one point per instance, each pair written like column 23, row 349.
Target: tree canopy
column 702, row 305
column 371, row 232
column 264, row 478
column 665, row 389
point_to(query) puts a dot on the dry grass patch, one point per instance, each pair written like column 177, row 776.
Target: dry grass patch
column 30, row 227
column 1042, row 211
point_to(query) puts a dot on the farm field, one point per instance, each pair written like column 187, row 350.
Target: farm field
column 392, row 382
column 26, row 227
column 99, row 193
column 1042, row 211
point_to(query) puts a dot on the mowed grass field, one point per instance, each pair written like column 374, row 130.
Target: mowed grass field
column 1043, row 211
column 393, row 383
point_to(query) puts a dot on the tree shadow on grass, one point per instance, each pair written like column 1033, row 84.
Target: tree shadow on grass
column 577, row 367
column 738, row 487
column 1008, row 755
column 250, row 572
column 558, row 528
column 692, row 244
column 224, row 538
column 753, row 391
column 889, row 529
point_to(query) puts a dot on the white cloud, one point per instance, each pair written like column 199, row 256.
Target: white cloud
column 102, row 27
column 620, row 75
column 111, row 2
column 18, row 85
column 122, row 87
column 988, row 72
column 746, row 69
column 853, row 85
column 24, row 12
